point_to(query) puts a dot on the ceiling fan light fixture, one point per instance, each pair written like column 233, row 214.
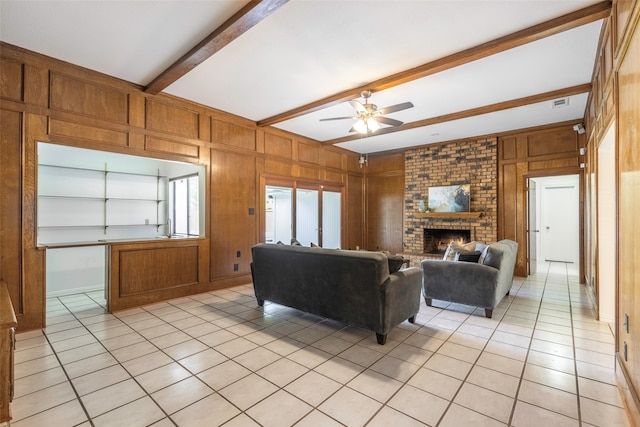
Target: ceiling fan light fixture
column 372, row 124
column 360, row 127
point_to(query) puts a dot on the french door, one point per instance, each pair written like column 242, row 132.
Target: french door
column 310, row 213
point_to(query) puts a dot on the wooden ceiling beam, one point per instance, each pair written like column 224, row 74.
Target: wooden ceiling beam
column 505, row 105
column 243, row 20
column 554, row 26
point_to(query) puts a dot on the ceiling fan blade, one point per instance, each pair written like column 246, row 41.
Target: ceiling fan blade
column 358, row 106
column 397, row 107
column 388, row 121
column 338, row 118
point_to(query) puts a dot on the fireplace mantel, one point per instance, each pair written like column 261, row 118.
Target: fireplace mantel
column 447, row 214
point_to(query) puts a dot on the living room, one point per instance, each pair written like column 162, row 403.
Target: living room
column 49, row 100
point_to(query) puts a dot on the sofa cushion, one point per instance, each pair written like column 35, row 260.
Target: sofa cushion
column 454, row 248
column 493, row 257
column 395, row 262
column 294, row 242
column 468, row 256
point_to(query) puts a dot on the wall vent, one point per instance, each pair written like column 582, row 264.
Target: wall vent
column 559, row 103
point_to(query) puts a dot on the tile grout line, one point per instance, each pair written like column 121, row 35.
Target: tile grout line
column 524, row 365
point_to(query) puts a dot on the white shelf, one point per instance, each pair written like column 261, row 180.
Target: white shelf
column 76, row 203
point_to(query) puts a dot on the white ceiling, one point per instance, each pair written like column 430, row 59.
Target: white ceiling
column 311, row 49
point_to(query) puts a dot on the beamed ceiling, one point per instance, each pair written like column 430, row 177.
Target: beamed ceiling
column 471, row 68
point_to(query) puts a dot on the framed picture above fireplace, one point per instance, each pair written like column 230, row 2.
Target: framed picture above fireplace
column 450, row 198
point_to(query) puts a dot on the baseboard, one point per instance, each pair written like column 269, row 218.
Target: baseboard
column 74, row 291
column 629, row 394
column 607, row 318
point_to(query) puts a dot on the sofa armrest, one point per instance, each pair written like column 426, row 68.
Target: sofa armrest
column 461, row 282
column 400, row 297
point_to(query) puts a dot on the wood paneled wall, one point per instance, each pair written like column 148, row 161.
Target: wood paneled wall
column 384, row 177
column 43, row 99
column 543, row 152
column 616, row 99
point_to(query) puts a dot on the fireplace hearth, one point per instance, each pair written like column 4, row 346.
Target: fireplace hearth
column 436, row 240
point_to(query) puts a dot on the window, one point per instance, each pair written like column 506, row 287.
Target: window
column 184, row 206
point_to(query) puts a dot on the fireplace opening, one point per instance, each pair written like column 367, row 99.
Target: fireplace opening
column 436, row 240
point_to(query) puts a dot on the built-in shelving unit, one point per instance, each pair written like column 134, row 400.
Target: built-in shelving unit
column 75, row 202
column 447, row 214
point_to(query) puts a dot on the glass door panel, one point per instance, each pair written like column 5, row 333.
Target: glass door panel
column 307, row 216
column 331, row 219
column 278, row 214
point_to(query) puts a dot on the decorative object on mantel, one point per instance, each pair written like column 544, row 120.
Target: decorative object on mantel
column 450, row 198
column 422, row 208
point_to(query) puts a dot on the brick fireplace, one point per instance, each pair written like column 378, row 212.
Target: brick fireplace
column 473, row 162
column 436, row 240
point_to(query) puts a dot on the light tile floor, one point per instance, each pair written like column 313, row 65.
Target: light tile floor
column 218, row 359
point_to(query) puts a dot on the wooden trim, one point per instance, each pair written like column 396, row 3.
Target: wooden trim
column 243, row 20
column 554, row 26
column 513, row 103
column 631, row 400
column 447, row 214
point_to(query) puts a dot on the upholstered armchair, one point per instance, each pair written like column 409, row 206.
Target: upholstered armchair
column 482, row 284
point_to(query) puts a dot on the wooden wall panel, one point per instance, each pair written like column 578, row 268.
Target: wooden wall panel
column 160, row 145
column 553, row 142
column 629, row 222
column 313, row 174
column 385, row 207
column 87, row 98
column 88, row 133
column 232, row 134
column 148, row 270
column 508, row 149
column 333, row 159
column 276, row 145
column 355, row 213
column 172, row 119
column 623, row 9
column 384, row 186
column 10, row 205
column 234, row 216
column 309, row 153
column 11, row 80
column 272, row 167
column 568, row 162
column 37, row 91
column 333, row 176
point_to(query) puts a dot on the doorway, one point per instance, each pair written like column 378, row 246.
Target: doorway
column 310, row 213
column 554, row 221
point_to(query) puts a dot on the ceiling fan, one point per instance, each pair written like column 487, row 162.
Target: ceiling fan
column 369, row 117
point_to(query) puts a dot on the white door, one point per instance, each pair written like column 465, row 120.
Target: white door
column 532, row 227
column 560, row 225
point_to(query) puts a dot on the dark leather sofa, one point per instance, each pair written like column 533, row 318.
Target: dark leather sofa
column 352, row 287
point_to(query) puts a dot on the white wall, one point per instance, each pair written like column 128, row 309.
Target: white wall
column 606, row 227
column 75, row 270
